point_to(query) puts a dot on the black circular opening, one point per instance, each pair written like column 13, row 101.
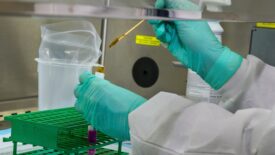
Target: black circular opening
column 145, row 72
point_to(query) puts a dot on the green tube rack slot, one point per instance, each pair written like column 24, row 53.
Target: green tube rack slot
column 60, row 131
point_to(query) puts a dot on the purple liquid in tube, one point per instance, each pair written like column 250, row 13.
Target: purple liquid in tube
column 92, row 152
column 91, row 139
column 92, row 136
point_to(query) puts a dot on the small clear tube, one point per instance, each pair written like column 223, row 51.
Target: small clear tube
column 91, row 139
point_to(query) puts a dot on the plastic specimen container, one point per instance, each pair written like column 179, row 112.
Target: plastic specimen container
column 57, row 83
column 63, row 130
column 67, row 49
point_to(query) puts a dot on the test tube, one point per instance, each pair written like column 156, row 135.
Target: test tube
column 91, row 139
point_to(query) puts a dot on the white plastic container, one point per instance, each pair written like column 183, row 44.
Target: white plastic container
column 57, row 83
column 196, row 88
column 66, row 51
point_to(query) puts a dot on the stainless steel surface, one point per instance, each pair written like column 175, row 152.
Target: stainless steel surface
column 19, row 41
column 252, row 10
column 120, row 59
column 14, row 105
column 237, row 36
column 85, row 10
column 133, row 3
column 241, row 11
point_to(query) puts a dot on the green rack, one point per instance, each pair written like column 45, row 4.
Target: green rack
column 100, row 151
column 60, row 131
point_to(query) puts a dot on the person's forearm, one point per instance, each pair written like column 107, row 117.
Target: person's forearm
column 252, row 86
column 203, row 127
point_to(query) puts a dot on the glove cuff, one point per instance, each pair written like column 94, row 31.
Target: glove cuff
column 223, row 69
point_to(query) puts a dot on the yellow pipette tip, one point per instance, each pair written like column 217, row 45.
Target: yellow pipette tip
column 115, row 41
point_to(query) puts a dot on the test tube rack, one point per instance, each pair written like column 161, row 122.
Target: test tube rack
column 60, row 131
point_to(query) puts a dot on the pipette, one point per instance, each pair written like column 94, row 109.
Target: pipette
column 115, row 41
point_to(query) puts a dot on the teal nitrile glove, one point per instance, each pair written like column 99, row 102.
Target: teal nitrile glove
column 195, row 46
column 105, row 105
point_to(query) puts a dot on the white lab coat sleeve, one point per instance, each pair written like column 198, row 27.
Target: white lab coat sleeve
column 252, row 86
column 168, row 124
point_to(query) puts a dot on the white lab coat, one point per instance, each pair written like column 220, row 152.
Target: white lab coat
column 169, row 124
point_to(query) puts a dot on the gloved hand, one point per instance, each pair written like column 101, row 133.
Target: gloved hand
column 105, row 105
column 195, row 46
